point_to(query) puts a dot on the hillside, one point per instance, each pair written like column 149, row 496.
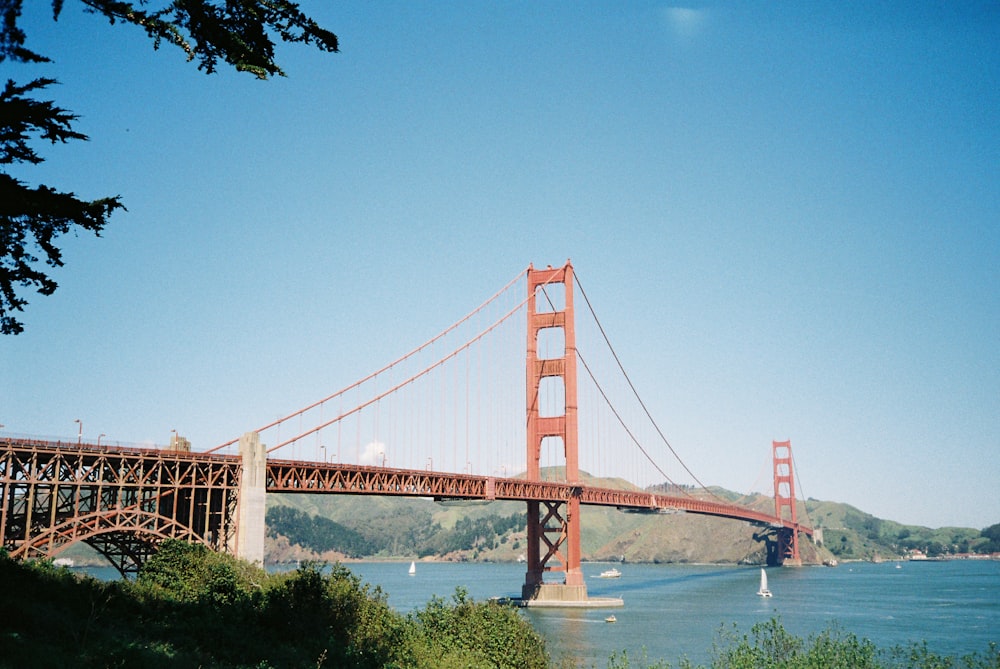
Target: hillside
column 850, row 533
column 402, row 528
column 421, row 528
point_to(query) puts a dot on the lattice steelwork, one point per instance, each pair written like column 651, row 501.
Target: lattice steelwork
column 295, row 476
column 123, row 502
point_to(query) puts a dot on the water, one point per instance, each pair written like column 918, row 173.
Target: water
column 675, row 611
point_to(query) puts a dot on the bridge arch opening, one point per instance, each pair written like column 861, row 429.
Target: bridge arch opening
column 551, row 343
column 126, row 537
column 550, row 297
column 553, row 459
column 551, row 397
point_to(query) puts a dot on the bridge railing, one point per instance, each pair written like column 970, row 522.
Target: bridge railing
column 109, row 448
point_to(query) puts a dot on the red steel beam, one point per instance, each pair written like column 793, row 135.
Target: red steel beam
column 76, row 475
column 336, row 478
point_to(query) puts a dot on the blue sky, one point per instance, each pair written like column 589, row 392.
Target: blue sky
column 786, row 215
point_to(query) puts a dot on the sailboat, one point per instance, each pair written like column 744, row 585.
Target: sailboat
column 763, row 592
column 413, row 568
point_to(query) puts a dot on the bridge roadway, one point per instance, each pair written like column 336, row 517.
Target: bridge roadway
column 309, row 477
column 55, row 493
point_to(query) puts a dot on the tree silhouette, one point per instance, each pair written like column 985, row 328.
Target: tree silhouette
column 237, row 33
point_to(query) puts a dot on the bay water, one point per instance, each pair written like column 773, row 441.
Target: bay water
column 675, row 611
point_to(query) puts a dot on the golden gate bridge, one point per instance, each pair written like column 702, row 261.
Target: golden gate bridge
column 458, row 417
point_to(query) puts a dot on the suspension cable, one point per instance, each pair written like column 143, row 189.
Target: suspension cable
column 607, row 400
column 389, row 366
column 625, row 427
column 636, row 394
column 798, row 483
column 406, row 382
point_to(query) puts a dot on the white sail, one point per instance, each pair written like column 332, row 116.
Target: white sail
column 763, row 592
column 413, row 568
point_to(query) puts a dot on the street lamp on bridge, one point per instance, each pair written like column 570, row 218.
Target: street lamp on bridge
column 79, row 432
column 99, row 439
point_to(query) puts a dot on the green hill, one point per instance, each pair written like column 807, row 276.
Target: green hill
column 850, row 533
column 404, row 528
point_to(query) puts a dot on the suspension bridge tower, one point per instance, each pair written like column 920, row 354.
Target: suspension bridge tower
column 553, row 526
column 784, row 499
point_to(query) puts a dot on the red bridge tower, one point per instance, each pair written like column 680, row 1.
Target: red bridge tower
column 553, row 526
column 784, row 498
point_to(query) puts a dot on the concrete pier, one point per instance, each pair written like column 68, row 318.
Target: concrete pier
column 253, row 498
column 562, row 596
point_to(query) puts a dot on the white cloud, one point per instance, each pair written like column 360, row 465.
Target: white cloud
column 685, row 23
column 373, row 453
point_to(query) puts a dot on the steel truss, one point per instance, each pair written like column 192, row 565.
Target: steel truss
column 294, row 476
column 122, row 502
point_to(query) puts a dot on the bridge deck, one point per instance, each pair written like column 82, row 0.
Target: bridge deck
column 53, row 493
column 293, row 476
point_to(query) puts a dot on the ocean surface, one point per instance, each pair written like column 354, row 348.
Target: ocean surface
column 676, row 611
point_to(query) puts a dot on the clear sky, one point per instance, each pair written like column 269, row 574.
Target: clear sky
column 787, row 215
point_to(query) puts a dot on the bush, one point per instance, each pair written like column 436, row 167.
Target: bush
column 334, row 617
column 191, row 573
column 191, row 607
column 487, row 634
column 769, row 646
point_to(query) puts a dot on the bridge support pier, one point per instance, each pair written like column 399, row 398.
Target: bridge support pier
column 252, row 503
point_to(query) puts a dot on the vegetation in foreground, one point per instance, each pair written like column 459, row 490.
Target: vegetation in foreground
column 190, row 607
column 769, row 645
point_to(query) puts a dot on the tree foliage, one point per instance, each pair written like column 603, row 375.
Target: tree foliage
column 479, row 634
column 191, row 573
column 34, row 217
column 470, row 533
column 992, row 536
column 190, row 607
column 319, row 616
column 770, row 645
column 237, row 33
column 317, row 533
column 399, row 534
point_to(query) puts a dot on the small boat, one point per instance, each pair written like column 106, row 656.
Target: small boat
column 611, row 619
column 413, row 568
column 763, row 591
column 610, row 573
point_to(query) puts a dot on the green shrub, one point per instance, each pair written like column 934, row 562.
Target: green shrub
column 486, row 633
